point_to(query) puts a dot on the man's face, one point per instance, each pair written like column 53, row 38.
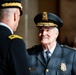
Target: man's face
column 48, row 35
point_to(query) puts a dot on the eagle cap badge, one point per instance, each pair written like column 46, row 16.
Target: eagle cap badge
column 44, row 16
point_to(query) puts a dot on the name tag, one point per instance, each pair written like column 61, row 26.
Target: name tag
column 32, row 69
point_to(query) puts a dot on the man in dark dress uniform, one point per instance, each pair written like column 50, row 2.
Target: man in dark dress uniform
column 13, row 59
column 49, row 57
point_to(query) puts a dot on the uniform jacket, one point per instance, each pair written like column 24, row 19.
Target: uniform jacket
column 12, row 54
column 62, row 61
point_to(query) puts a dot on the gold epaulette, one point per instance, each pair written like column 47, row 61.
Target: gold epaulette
column 13, row 36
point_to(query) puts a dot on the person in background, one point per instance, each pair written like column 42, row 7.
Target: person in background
column 13, row 60
column 50, row 57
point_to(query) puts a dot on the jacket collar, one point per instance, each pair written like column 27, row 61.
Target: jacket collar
column 55, row 58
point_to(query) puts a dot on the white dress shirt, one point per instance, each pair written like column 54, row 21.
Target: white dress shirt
column 51, row 51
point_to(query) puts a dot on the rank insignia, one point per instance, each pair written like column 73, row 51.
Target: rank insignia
column 14, row 36
column 63, row 67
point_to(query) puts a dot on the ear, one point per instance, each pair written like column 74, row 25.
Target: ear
column 15, row 16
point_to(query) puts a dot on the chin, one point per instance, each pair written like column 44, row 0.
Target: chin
column 44, row 42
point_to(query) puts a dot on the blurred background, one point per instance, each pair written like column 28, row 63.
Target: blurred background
column 65, row 9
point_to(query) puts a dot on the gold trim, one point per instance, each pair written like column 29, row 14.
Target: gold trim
column 12, row 4
column 46, row 24
column 14, row 36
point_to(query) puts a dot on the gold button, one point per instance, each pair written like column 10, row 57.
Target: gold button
column 47, row 70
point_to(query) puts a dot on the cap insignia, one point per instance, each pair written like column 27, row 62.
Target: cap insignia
column 12, row 4
column 14, row 36
column 44, row 16
column 63, row 67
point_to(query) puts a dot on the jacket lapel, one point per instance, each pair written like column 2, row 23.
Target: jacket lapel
column 40, row 56
column 55, row 59
column 41, row 59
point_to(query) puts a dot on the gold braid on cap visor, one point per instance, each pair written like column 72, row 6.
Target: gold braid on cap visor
column 46, row 24
column 12, row 4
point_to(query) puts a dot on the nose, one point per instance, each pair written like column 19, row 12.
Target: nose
column 44, row 32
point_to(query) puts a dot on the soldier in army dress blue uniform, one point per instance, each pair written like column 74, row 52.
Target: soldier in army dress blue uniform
column 49, row 57
column 13, row 59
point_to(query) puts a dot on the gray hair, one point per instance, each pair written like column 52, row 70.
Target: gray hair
column 56, row 29
column 6, row 12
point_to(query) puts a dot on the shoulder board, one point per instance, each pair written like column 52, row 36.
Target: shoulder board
column 68, row 46
column 13, row 36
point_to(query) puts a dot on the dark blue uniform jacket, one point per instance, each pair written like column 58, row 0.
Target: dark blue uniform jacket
column 13, row 59
column 62, row 61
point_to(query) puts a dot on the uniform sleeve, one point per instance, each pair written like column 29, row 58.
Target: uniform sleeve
column 18, row 53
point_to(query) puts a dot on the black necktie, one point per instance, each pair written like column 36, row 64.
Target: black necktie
column 47, row 55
